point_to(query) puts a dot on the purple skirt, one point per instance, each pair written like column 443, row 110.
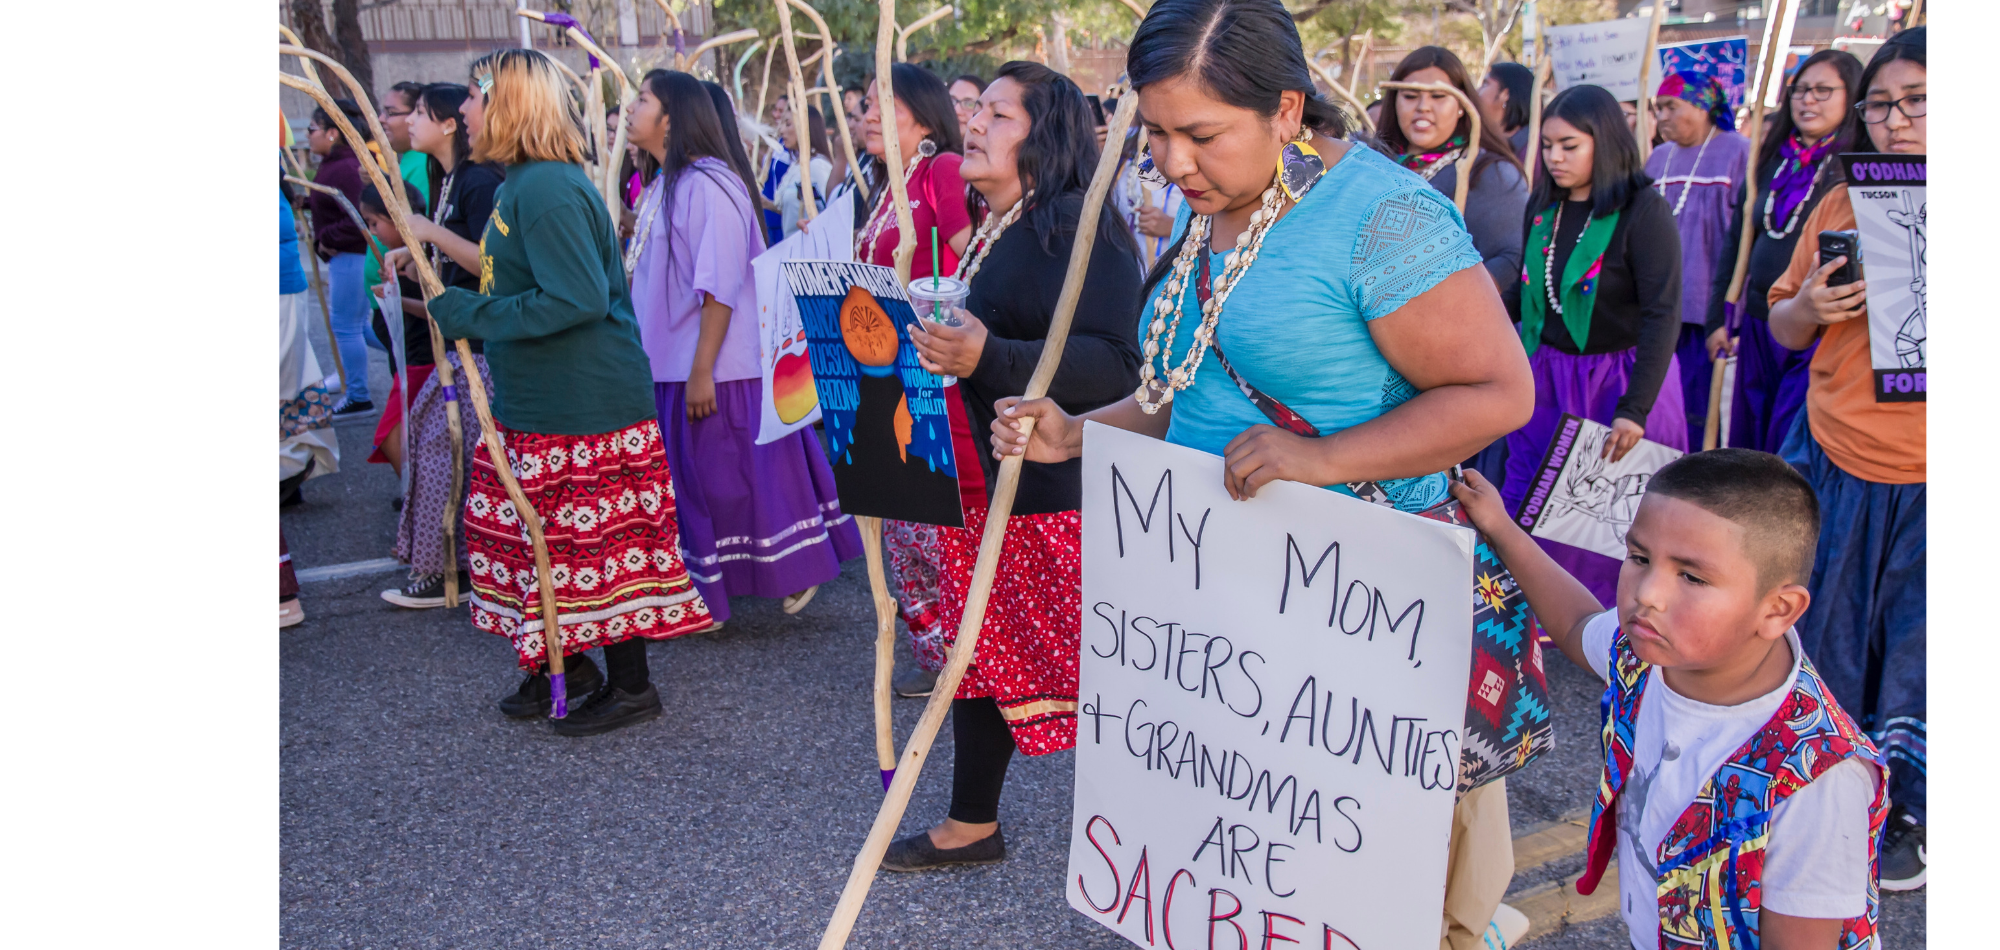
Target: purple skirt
column 1696, row 367
column 1586, row 386
column 1770, row 388
column 755, row 520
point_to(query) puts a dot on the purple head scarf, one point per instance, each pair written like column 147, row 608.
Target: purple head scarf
column 1704, row 93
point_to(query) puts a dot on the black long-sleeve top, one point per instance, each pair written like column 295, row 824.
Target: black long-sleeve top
column 1768, row 256
column 1014, row 294
column 1638, row 295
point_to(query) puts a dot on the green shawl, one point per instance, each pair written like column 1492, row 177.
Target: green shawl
column 1578, row 282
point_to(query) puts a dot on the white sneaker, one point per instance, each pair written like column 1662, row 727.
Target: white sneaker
column 1506, row 928
column 796, row 602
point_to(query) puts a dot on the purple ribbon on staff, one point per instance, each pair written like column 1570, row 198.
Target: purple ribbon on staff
column 450, row 393
column 565, row 21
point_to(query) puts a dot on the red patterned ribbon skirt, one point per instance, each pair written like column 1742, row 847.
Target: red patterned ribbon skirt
column 607, row 509
column 1027, row 654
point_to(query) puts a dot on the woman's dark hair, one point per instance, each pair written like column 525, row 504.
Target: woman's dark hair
column 1781, row 125
column 929, row 101
column 1243, row 52
column 1519, row 81
column 725, row 117
column 816, row 134
column 1058, row 156
column 977, row 83
column 355, row 117
column 371, row 200
column 1493, row 144
column 1907, row 45
column 446, row 101
column 695, row 132
column 410, row 91
column 1617, row 171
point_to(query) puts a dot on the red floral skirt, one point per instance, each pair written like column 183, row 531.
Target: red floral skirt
column 1027, row 655
column 607, row 509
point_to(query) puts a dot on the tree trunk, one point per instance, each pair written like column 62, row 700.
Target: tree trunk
column 310, row 25
column 1059, row 45
column 353, row 47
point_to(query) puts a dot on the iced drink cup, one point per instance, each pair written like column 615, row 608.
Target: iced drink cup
column 935, row 299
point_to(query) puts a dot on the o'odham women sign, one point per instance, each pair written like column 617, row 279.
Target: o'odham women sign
column 1887, row 192
column 1273, row 697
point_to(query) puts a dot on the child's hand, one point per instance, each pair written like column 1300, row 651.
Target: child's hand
column 1482, row 502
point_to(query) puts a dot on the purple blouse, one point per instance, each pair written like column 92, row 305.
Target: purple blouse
column 706, row 246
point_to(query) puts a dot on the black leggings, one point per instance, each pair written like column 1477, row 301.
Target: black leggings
column 624, row 665
column 979, row 769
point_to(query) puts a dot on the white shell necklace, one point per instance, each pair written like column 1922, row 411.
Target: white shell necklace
column 1549, row 260
column 1667, row 167
column 884, row 216
column 1154, row 392
column 647, row 212
column 987, row 236
column 1798, row 210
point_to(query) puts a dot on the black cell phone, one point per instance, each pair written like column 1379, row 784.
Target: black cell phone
column 1847, row 244
column 1096, row 109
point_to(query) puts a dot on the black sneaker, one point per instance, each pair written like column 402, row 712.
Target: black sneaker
column 531, row 701
column 915, row 684
column 607, row 709
column 1905, row 860
column 917, row 853
column 354, row 409
column 424, row 591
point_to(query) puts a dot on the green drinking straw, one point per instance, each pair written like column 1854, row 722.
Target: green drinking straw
column 934, row 273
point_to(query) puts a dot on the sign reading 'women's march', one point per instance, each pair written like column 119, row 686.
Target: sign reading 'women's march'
column 1887, row 192
column 1273, row 699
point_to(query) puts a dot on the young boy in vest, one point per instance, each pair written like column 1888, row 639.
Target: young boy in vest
column 1743, row 804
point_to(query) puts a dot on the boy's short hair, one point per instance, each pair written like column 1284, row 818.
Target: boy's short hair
column 371, row 200
column 1758, row 491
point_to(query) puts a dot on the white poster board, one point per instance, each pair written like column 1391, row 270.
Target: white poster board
column 790, row 402
column 1579, row 497
column 1890, row 211
column 1273, row 693
column 1599, row 54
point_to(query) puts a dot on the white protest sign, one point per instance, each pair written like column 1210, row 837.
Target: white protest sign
column 1892, row 217
column 1581, row 498
column 1599, row 54
column 1273, row 694
column 790, row 402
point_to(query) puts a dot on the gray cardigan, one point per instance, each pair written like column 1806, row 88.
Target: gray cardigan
column 1495, row 209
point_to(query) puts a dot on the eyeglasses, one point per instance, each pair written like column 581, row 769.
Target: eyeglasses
column 1876, row 111
column 969, row 105
column 393, row 114
column 1813, row 93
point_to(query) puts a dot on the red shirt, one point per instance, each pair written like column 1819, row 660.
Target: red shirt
column 937, row 199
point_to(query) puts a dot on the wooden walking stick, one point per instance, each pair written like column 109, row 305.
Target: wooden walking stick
column 608, row 159
column 1471, row 151
column 1712, row 432
column 1361, row 63
column 834, row 105
column 1542, row 73
column 381, row 174
column 318, row 281
column 1137, row 10
column 984, row 569
column 675, row 36
column 720, row 41
column 1360, row 111
column 1770, row 69
column 801, row 139
column 1646, row 78
column 903, row 35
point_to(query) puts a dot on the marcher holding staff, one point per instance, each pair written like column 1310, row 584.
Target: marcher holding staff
column 1697, row 169
column 1345, row 330
column 755, row 520
column 1598, row 302
column 1429, row 130
column 441, row 131
column 1030, row 149
column 1867, row 627
column 1798, row 161
column 342, row 245
column 574, row 406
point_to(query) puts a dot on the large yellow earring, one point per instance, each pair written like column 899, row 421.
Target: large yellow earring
column 1299, row 165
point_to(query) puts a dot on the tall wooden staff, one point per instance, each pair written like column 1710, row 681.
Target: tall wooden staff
column 1470, row 153
column 1137, row 10
column 801, row 139
column 1544, row 69
column 608, row 158
column 1361, row 64
column 834, row 105
column 715, row 42
column 1326, row 76
column 988, row 563
column 318, row 282
column 382, row 174
column 1646, row 77
column 903, row 35
column 763, row 91
column 678, row 38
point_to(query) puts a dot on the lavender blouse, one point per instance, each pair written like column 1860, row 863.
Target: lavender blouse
column 702, row 239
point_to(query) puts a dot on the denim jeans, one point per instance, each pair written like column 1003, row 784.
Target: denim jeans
column 347, row 297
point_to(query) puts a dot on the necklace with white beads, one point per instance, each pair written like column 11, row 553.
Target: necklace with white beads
column 987, row 236
column 647, row 212
column 1667, row 167
column 1153, row 391
column 1549, row 262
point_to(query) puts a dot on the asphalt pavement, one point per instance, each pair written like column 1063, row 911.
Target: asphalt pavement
column 414, row 815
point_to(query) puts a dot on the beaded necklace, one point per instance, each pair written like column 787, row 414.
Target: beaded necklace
column 1666, row 170
column 884, row 215
column 648, row 211
column 1798, row 210
column 442, row 209
column 987, row 236
column 1171, row 303
column 1549, row 261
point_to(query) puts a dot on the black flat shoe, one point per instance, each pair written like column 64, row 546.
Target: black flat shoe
column 917, row 853
column 581, row 677
column 608, row 709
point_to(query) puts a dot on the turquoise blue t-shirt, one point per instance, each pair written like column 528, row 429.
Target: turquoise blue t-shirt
column 1370, row 236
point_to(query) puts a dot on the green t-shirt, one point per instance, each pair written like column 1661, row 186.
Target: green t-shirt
column 415, row 167
column 553, row 308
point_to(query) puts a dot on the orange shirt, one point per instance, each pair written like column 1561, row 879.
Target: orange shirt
column 1873, row 441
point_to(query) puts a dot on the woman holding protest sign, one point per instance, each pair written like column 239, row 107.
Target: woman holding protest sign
column 1796, row 164
column 1367, row 350
column 755, row 520
column 1598, row 302
column 573, row 402
column 1029, row 152
column 1866, row 629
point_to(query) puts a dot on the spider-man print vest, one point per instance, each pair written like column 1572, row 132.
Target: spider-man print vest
column 1712, row 861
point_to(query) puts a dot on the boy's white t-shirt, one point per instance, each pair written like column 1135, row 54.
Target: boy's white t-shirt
column 1816, row 863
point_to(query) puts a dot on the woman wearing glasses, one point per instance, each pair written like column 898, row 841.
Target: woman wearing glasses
column 1866, row 460
column 965, row 92
column 1793, row 168
column 1697, row 169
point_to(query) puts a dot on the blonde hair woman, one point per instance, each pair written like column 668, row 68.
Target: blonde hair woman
column 573, row 398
